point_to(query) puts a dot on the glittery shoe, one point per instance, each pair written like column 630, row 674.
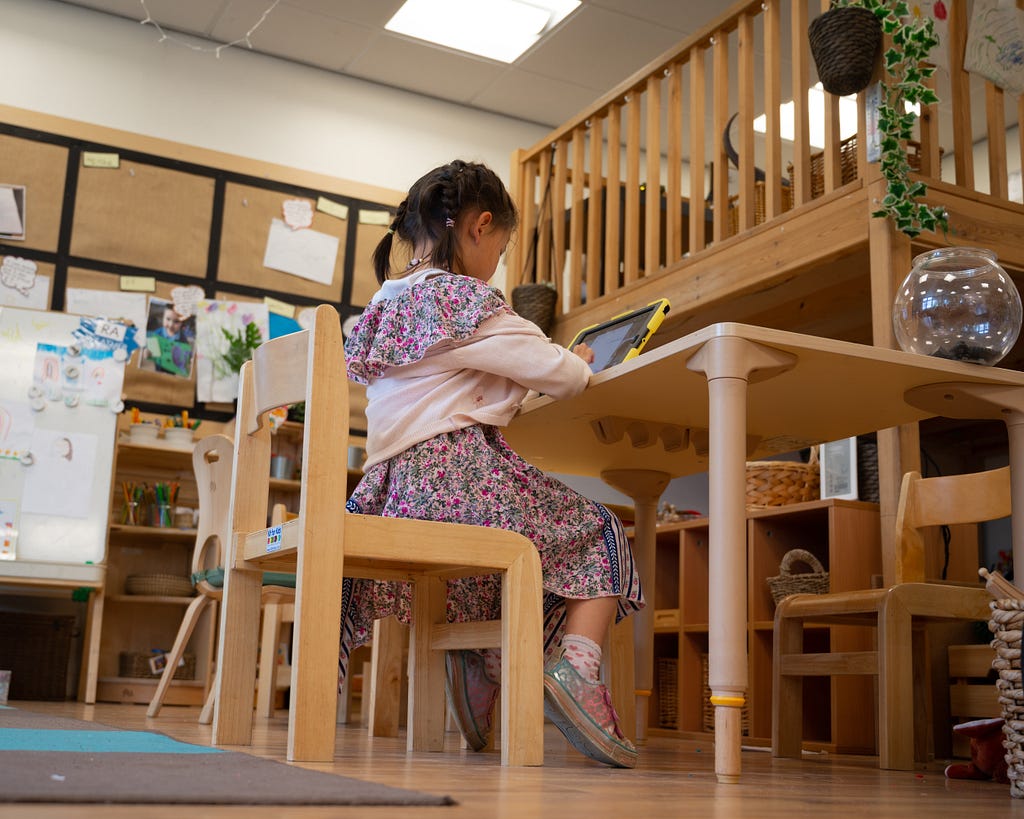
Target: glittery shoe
column 583, row 713
column 471, row 696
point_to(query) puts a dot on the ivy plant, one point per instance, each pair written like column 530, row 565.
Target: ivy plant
column 911, row 40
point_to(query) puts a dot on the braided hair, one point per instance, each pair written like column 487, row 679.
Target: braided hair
column 430, row 211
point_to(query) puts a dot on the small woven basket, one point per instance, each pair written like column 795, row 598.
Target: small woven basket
column 536, row 302
column 786, row 583
column 668, row 691
column 159, row 585
column 1006, row 624
column 776, row 483
column 845, row 43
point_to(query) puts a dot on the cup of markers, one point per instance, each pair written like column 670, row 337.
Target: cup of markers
column 164, row 498
column 179, row 430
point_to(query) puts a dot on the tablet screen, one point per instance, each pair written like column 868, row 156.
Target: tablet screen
column 622, row 337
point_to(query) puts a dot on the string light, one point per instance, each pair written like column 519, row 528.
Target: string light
column 215, row 51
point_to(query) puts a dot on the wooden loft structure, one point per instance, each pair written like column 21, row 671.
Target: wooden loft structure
column 801, row 254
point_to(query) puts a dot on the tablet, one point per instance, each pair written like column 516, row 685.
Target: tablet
column 622, row 337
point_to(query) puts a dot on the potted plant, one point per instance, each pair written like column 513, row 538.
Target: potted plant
column 911, row 40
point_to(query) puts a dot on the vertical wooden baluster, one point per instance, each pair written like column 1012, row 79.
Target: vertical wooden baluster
column 801, row 137
column 579, row 137
column 745, row 120
column 613, row 202
column 719, row 118
column 698, row 90
column 995, row 126
column 652, row 223
column 960, row 93
column 772, row 98
column 596, row 193
column 674, row 162
column 631, row 262
column 543, row 269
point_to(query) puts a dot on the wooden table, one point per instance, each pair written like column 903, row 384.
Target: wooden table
column 728, row 393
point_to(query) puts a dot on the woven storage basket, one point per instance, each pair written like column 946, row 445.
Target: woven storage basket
column 668, row 692
column 708, row 715
column 536, row 302
column 159, row 585
column 760, row 208
column 136, row 664
column 776, row 483
column 845, row 44
column 1006, row 623
column 786, row 583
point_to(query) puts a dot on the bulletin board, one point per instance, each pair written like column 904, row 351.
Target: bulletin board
column 116, row 212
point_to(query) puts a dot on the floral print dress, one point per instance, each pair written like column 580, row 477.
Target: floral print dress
column 473, row 476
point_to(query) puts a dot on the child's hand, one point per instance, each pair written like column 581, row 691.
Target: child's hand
column 584, row 352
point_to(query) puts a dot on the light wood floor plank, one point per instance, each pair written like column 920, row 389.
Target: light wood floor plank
column 674, row 778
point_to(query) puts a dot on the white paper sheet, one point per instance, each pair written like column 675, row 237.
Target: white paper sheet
column 109, row 304
column 62, row 468
column 305, row 253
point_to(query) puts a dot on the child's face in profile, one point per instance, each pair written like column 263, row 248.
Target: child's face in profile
column 172, row 322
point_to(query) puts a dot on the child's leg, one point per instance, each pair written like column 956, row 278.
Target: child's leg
column 574, row 699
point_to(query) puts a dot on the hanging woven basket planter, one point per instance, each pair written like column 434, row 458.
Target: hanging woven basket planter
column 845, row 43
column 536, row 302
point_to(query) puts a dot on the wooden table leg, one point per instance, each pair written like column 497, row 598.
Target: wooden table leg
column 728, row 364
column 644, row 487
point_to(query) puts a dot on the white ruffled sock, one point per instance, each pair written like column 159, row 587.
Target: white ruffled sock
column 584, row 655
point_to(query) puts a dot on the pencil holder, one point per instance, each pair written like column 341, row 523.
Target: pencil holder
column 179, row 436
column 133, row 513
column 160, row 515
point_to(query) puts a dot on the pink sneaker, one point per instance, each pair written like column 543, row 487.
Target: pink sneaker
column 583, row 712
column 471, row 696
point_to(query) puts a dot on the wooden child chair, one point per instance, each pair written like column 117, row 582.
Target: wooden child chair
column 211, row 462
column 325, row 542
column 897, row 612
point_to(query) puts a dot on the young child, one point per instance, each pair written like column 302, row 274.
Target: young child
column 447, row 363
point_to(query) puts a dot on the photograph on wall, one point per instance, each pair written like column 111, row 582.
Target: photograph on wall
column 170, row 340
column 227, row 333
column 12, row 212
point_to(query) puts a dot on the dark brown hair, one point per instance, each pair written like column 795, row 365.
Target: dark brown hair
column 440, row 197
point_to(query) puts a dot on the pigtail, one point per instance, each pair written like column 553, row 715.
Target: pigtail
column 382, row 253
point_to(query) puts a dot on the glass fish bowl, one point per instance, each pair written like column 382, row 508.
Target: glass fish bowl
column 957, row 303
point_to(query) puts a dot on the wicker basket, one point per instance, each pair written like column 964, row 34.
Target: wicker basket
column 786, row 583
column 1006, row 623
column 137, row 664
column 786, row 203
column 668, row 692
column 536, row 302
column 159, row 585
column 708, row 715
column 845, row 44
column 776, row 483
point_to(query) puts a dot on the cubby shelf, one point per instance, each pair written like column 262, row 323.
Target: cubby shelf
column 845, row 537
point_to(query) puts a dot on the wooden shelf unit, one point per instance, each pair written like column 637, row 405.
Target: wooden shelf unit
column 845, row 537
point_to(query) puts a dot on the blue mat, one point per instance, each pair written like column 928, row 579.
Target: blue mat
column 55, row 759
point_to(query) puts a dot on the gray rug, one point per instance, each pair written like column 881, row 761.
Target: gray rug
column 55, row 759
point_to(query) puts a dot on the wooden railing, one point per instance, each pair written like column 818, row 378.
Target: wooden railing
column 639, row 184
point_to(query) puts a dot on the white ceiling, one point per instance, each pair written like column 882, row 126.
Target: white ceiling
column 601, row 44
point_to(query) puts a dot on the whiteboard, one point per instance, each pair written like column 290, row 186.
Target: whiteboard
column 60, row 391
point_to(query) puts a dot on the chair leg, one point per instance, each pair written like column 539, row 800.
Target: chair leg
column 620, row 673
column 236, row 657
column 266, row 685
column 522, row 681
column 895, row 687
column 206, row 715
column 787, row 689
column 383, row 689
column 91, row 651
column 188, row 624
column 426, row 667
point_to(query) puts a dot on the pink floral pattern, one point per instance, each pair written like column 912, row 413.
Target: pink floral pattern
column 398, row 331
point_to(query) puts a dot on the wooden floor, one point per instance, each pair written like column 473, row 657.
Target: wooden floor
column 674, row 778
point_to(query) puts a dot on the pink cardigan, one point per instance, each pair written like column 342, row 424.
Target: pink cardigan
column 480, row 380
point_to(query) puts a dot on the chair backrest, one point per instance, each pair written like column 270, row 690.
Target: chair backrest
column 211, row 463
column 306, row 366
column 950, row 500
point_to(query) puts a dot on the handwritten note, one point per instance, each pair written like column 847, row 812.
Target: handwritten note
column 18, row 274
column 305, row 253
column 186, row 298
column 298, row 213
